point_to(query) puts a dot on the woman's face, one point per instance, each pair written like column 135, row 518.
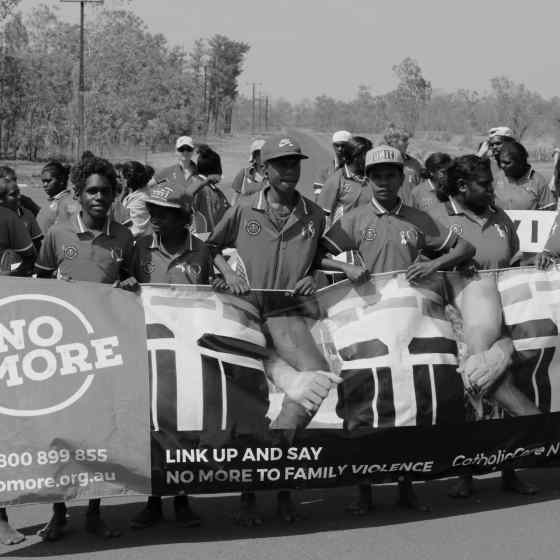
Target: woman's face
column 478, row 194
column 511, row 165
column 51, row 183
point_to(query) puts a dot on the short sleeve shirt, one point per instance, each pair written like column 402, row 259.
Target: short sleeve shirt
column 175, row 174
column 273, row 259
column 423, row 196
column 412, row 169
column 59, row 209
column 151, row 263
column 387, row 241
column 531, row 192
column 30, row 223
column 77, row 253
column 493, row 237
column 343, row 191
column 247, row 182
column 13, row 233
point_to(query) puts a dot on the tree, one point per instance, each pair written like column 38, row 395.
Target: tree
column 412, row 94
column 516, row 106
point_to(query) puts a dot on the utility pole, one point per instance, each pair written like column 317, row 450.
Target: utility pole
column 266, row 108
column 82, row 76
column 253, row 109
column 260, row 111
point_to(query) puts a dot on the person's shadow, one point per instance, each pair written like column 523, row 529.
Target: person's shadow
column 323, row 511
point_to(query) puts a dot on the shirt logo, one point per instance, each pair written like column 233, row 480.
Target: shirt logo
column 456, row 228
column 369, row 234
column 253, row 227
column 148, row 267
column 425, row 203
column 117, row 254
column 194, row 271
column 501, row 230
column 346, row 188
column 309, row 230
column 70, row 252
column 408, row 237
column 161, row 192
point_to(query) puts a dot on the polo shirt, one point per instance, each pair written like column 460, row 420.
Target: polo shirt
column 175, row 174
column 77, row 253
column 343, row 191
column 424, row 196
column 151, row 263
column 30, row 222
column 387, row 241
column 60, row 208
column 273, row 259
column 247, row 181
column 13, row 233
column 493, row 237
column 531, row 192
column 412, row 169
column 138, row 214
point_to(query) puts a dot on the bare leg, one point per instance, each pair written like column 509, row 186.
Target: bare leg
column 96, row 525
column 54, row 529
column 8, row 535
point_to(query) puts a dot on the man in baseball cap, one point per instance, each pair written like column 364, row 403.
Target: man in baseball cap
column 182, row 171
column 277, row 147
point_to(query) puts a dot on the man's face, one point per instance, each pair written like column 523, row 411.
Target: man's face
column 386, row 179
column 185, row 155
column 166, row 220
column 495, row 144
column 479, row 193
column 511, row 166
column 97, row 197
column 399, row 143
column 283, row 173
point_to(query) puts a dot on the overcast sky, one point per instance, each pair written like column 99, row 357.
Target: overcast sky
column 303, row 48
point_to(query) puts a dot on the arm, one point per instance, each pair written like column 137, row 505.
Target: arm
column 20, row 242
column 47, row 262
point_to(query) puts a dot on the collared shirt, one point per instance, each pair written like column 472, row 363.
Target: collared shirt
column 273, row 259
column 176, row 174
column 30, row 222
column 343, row 191
column 493, row 237
column 138, row 215
column 151, row 263
column 13, row 233
column 412, row 169
column 61, row 207
column 247, row 181
column 424, row 197
column 386, row 240
column 80, row 254
column 530, row 192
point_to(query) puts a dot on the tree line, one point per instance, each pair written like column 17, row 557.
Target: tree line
column 140, row 91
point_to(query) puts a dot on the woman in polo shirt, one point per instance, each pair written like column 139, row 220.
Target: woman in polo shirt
column 519, row 186
column 426, row 195
column 347, row 187
column 471, row 214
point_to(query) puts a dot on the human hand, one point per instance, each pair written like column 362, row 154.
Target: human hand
column 305, row 286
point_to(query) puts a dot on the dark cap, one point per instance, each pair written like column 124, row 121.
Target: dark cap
column 281, row 146
column 170, row 195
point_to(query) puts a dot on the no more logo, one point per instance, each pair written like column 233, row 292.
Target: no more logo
column 31, row 350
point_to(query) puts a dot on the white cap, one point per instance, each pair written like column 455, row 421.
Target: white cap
column 256, row 146
column 501, row 131
column 383, row 154
column 184, row 141
column 341, row 136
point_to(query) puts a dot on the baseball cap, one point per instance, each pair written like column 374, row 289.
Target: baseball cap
column 281, row 146
column 501, row 131
column 341, row 136
column 169, row 195
column 256, row 146
column 384, row 154
column 184, row 141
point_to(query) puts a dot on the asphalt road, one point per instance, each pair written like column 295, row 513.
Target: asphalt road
column 491, row 525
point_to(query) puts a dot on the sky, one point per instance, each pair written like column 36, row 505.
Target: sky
column 304, row 48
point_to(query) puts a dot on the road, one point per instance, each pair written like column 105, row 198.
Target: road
column 492, row 524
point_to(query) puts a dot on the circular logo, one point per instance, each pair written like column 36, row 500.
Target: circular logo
column 49, row 355
column 194, row 271
column 253, row 227
column 308, row 230
column 148, row 267
column 369, row 234
column 70, row 252
column 456, row 228
column 346, row 188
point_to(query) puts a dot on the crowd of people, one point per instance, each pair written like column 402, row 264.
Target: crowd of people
column 381, row 209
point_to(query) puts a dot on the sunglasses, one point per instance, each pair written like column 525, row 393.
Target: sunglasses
column 185, row 149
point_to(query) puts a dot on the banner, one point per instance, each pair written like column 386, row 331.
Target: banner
column 532, row 227
column 74, row 399
column 270, row 390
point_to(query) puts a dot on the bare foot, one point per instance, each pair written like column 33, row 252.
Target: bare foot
column 8, row 535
